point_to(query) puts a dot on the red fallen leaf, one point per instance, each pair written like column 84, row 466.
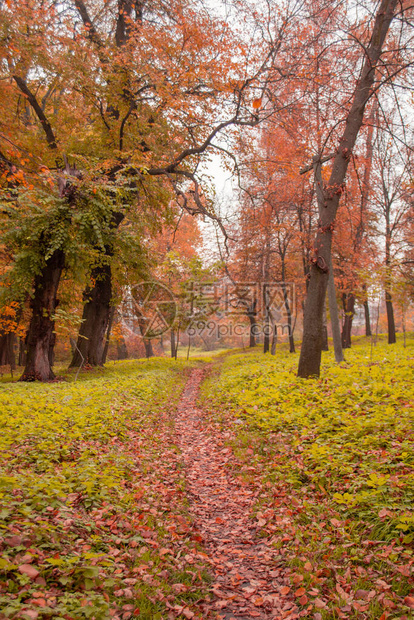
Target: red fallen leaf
column 388, row 603
column 297, row 579
column 409, row 601
column 307, row 566
column 303, row 600
column 284, row 590
column 164, row 551
column 188, row 613
column 31, row 613
column 336, row 523
column 317, row 616
column 29, row 570
column 221, row 604
column 13, row 541
column 319, row 604
column 300, row 592
column 384, row 513
column 40, row 602
column 40, row 581
column 136, row 612
column 258, row 601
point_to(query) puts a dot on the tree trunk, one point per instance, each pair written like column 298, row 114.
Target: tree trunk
column 390, row 318
column 368, row 331
column 121, row 349
column 7, row 349
column 349, row 309
column 148, row 348
column 325, row 344
column 289, row 314
column 266, row 335
column 40, row 337
column 328, row 200
column 251, row 314
column 172, row 341
column 95, row 319
column 266, row 325
column 252, row 332
column 22, row 351
column 108, row 334
column 333, row 309
column 274, row 341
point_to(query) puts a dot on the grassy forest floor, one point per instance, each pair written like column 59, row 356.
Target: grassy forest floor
column 98, row 511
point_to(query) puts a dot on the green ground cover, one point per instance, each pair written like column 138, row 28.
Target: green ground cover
column 334, row 458
column 93, row 523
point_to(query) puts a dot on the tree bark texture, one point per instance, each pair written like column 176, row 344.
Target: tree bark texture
column 310, row 357
column 390, row 319
column 8, row 342
column 95, row 319
column 40, row 337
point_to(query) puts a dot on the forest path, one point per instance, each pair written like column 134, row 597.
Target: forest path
column 248, row 583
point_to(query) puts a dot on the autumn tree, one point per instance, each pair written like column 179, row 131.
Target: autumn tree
column 131, row 112
column 392, row 171
column 375, row 68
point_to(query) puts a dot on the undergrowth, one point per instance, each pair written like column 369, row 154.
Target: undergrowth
column 334, row 458
column 93, row 522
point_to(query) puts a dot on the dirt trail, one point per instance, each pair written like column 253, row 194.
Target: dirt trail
column 247, row 581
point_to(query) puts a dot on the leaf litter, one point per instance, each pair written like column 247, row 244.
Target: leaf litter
column 249, row 582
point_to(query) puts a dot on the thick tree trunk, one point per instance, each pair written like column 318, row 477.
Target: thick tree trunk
column 333, row 309
column 328, row 199
column 8, row 342
column 40, row 337
column 390, row 319
column 95, row 319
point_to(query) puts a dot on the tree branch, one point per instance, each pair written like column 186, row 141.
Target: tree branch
column 315, row 160
column 87, row 22
column 47, row 128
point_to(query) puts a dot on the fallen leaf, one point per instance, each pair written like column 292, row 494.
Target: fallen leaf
column 29, row 570
column 409, row 601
